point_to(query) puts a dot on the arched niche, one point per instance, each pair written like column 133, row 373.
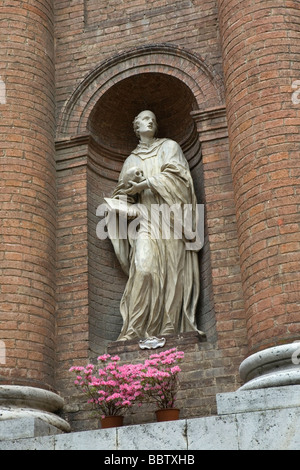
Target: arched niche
column 203, row 81
column 175, row 85
column 110, row 122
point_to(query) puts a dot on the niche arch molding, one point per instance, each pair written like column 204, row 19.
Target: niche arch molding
column 203, row 81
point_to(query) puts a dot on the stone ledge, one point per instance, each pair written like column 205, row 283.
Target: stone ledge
column 247, row 401
column 23, row 428
column 267, row 429
column 183, row 339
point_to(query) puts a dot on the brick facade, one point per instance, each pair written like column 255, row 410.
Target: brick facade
column 28, row 193
column 219, row 77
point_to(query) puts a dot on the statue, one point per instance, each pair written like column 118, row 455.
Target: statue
column 162, row 291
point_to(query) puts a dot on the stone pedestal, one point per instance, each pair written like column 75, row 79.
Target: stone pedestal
column 273, row 367
column 180, row 341
column 17, row 402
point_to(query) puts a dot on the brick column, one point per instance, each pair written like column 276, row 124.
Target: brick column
column 28, row 197
column 261, row 62
column 221, row 230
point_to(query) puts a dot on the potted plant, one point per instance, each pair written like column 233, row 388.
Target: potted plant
column 111, row 388
column 160, row 381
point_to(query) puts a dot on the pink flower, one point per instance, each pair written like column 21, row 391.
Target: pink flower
column 113, row 396
column 115, row 358
column 76, row 368
column 104, row 357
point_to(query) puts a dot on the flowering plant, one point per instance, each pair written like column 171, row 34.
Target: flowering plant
column 160, row 377
column 111, row 388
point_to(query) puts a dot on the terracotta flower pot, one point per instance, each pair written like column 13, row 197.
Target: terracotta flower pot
column 112, row 422
column 167, row 414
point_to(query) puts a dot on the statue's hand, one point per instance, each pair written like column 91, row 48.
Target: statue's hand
column 133, row 212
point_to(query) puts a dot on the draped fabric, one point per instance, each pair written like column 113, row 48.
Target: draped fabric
column 162, row 291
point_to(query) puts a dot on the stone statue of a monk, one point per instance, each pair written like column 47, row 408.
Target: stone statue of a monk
column 162, row 291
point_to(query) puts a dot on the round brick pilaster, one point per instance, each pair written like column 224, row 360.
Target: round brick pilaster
column 28, row 195
column 261, row 64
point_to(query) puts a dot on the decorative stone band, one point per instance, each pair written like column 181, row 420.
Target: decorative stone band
column 273, row 367
column 30, row 402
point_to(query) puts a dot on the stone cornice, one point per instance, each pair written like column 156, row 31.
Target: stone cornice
column 211, row 123
column 79, row 151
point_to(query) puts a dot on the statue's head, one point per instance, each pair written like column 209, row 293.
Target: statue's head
column 145, row 122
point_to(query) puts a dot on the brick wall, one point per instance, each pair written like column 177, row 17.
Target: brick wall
column 222, row 232
column 87, row 32
column 72, row 338
column 27, row 192
column 261, row 61
column 106, row 278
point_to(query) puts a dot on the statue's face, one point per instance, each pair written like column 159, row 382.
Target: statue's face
column 147, row 123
